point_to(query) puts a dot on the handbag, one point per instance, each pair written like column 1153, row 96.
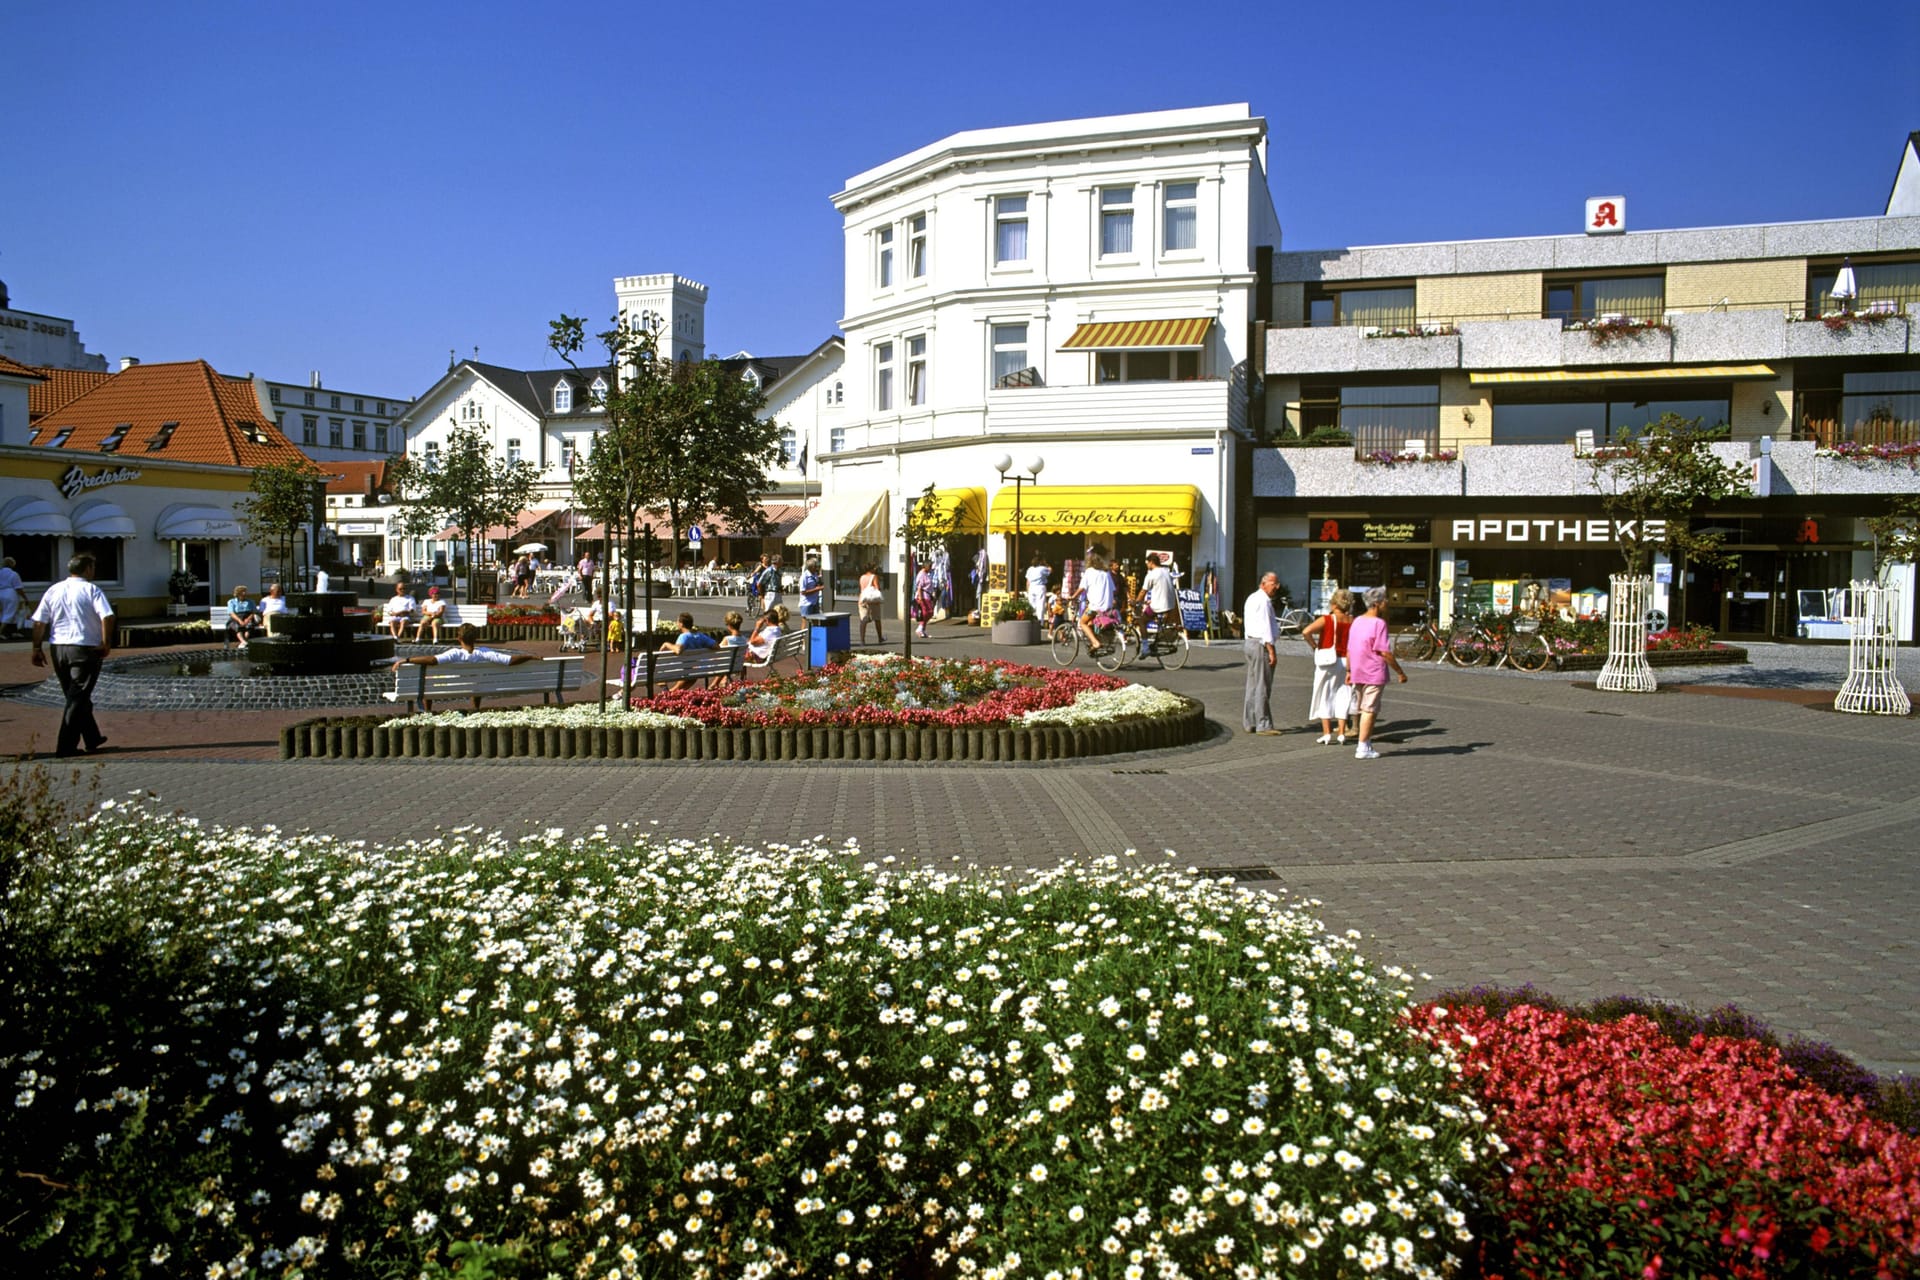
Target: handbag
column 870, row 595
column 1326, row 655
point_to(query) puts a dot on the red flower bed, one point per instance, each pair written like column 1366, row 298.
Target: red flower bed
column 1632, row 1156
column 954, row 693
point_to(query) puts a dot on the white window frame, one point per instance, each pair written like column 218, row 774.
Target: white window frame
column 567, row 448
column 1127, row 208
column 513, row 450
column 563, row 396
column 789, row 446
column 917, row 247
column 837, row 440
column 1190, row 204
column 379, row 437
column 883, row 377
column 598, row 394
column 336, row 433
column 310, row 428
column 359, row 436
column 430, row 455
column 1005, row 216
column 998, row 345
column 883, row 258
column 917, row 370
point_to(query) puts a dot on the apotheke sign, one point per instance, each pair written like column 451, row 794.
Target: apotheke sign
column 1537, row 531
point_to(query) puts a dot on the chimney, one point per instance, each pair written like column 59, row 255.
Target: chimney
column 127, row 362
column 314, row 379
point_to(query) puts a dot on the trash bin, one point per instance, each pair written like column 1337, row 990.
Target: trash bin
column 830, row 638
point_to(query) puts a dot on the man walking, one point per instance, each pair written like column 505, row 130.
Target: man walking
column 80, row 622
column 1369, row 654
column 1262, row 631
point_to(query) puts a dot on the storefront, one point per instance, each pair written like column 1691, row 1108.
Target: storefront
column 1059, row 523
column 140, row 520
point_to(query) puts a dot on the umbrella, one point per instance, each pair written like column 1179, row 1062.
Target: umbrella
column 1844, row 289
column 528, row 548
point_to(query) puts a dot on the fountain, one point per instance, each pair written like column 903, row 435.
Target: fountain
column 320, row 639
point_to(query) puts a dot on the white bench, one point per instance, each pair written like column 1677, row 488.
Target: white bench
column 793, row 646
column 668, row 669
column 418, row 685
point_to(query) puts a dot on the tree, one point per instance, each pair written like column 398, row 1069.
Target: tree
column 464, row 486
column 1651, row 485
column 281, row 499
column 926, row 525
column 1896, row 535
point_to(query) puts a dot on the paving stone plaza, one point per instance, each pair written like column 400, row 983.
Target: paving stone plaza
column 1719, row 841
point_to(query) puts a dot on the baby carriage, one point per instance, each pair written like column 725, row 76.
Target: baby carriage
column 579, row 631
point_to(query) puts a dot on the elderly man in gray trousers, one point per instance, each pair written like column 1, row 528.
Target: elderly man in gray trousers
column 1262, row 630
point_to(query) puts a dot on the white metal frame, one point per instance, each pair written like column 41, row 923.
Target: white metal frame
column 1626, row 669
column 1872, row 687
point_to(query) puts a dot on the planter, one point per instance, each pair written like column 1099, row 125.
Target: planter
column 1019, row 631
column 1718, row 656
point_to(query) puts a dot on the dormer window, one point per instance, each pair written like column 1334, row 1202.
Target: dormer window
column 599, row 390
column 112, row 443
column 563, row 397
column 162, row 437
column 59, row 438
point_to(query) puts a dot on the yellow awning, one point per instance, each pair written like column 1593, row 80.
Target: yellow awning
column 966, row 508
column 858, row 516
column 1668, row 373
column 1145, row 508
column 1187, row 334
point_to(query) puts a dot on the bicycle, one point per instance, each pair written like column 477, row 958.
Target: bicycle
column 1478, row 640
column 1166, row 642
column 1420, row 641
column 1293, row 620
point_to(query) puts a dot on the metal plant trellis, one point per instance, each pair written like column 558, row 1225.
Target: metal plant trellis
column 1626, row 669
column 1872, row 611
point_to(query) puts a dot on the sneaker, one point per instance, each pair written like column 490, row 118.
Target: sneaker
column 1365, row 752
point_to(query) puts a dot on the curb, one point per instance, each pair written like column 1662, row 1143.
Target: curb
column 1730, row 656
column 363, row 738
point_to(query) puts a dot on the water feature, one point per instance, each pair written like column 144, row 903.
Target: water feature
column 320, row 638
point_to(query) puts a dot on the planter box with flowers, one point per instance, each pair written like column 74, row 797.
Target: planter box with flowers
column 1390, row 457
column 1848, row 333
column 1616, row 338
column 1014, row 623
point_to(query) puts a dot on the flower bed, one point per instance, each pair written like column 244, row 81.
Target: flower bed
column 1632, row 1155
column 522, row 615
column 280, row 1054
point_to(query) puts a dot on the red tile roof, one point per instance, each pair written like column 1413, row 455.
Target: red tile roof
column 61, row 386
column 18, row 370
column 217, row 419
column 363, row 478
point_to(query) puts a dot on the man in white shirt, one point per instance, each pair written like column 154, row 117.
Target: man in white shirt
column 1099, row 610
column 1157, row 589
column 400, row 610
column 75, row 615
column 1262, row 631
column 465, row 651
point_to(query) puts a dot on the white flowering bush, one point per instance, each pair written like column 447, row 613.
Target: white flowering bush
column 251, row 1053
column 1098, row 706
column 573, row 715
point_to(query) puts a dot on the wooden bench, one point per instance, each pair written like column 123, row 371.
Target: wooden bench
column 793, row 646
column 709, row 665
column 418, row 685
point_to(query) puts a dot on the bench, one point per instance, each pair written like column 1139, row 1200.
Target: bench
column 709, row 665
column 793, row 646
column 418, row 685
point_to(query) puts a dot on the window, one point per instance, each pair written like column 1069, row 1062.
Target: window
column 599, row 393
column 1878, row 286
column 336, row 432
column 566, row 454
column 309, row 429
column 106, row 556
column 1863, row 406
column 33, row 556
column 359, row 406
column 381, row 408
column 789, row 446
column 162, row 437
column 917, row 370
column 431, row 455
column 513, row 452
column 307, row 398
column 59, row 437
column 917, row 246
column 333, row 402
column 839, row 393
column 273, row 393
column 837, row 440
column 1607, row 297
column 1009, row 229
column 112, row 443
column 883, row 261
column 1379, row 308
column 563, row 397
column 1009, row 353
column 883, row 380
column 1146, row 366
column 380, row 437
column 1612, row 411
column 1116, row 222
column 1182, row 218
column 359, row 435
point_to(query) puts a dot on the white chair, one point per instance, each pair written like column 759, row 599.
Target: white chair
column 1582, row 443
column 1416, row 448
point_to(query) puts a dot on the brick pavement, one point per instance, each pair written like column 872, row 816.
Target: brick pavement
column 1706, row 849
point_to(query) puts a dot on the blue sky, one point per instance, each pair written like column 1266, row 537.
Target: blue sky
column 356, row 188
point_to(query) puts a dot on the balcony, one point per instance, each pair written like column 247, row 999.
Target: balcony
column 1179, row 407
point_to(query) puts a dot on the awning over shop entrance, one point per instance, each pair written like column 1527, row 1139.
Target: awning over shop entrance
column 858, row 516
column 966, row 508
column 1715, row 372
column 26, row 515
column 190, row 522
column 101, row 519
column 1141, row 508
column 1184, row 334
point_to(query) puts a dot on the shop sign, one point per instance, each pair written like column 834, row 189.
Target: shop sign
column 76, row 482
column 1115, row 519
column 1606, row 215
column 1379, row 532
column 1535, row 531
column 360, row 526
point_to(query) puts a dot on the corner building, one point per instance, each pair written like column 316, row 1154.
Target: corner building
column 1075, row 292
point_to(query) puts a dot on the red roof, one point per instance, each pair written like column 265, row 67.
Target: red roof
column 61, row 386
column 363, row 478
column 18, row 370
column 214, row 418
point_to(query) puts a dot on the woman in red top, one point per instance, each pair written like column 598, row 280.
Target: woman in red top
column 1327, row 634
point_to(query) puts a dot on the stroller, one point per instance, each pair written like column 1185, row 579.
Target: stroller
column 579, row 631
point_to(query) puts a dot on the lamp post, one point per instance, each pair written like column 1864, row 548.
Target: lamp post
column 1004, row 464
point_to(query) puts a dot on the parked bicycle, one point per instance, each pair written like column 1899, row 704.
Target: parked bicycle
column 1482, row 638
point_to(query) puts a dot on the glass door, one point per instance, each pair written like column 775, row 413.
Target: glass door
column 197, row 559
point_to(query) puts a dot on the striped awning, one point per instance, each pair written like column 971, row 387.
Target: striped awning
column 1185, row 334
column 858, row 516
column 965, row 508
column 37, row 516
column 1136, row 508
column 1699, row 372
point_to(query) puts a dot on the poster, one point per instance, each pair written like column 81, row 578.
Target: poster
column 1193, row 612
column 1503, row 595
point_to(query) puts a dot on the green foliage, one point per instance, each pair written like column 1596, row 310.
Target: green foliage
column 1896, row 535
column 466, row 487
column 1015, row 608
column 1667, row 473
column 1318, row 438
column 281, row 498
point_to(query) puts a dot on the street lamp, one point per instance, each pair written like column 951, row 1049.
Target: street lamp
column 1004, row 464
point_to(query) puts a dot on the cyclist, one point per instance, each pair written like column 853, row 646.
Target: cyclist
column 1159, row 598
column 1099, row 612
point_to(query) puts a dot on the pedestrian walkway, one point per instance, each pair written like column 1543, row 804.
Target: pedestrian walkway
column 1705, row 849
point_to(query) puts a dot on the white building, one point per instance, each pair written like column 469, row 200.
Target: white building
column 1076, row 292
column 47, row 341
column 335, row 426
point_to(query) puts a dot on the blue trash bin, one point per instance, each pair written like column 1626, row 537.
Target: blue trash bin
column 828, row 633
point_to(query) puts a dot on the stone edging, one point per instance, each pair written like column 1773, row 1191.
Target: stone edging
column 362, row 738
column 1730, row 656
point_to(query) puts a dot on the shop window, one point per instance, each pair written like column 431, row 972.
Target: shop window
column 1390, row 307
column 1607, row 298
column 106, row 556
column 1146, row 366
column 33, row 556
column 1611, row 412
column 1878, row 286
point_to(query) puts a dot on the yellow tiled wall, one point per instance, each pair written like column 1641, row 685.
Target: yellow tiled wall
column 1775, row 282
column 1448, row 299
column 1763, row 408
column 1458, row 399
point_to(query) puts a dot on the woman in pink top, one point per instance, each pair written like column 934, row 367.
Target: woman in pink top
column 1369, row 655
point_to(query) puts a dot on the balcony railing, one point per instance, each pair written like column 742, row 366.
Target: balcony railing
column 1828, row 433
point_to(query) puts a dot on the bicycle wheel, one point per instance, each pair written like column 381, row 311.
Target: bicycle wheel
column 1114, row 649
column 1413, row 646
column 1066, row 643
column 1172, row 649
column 1528, row 651
column 1132, row 643
column 1466, row 647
